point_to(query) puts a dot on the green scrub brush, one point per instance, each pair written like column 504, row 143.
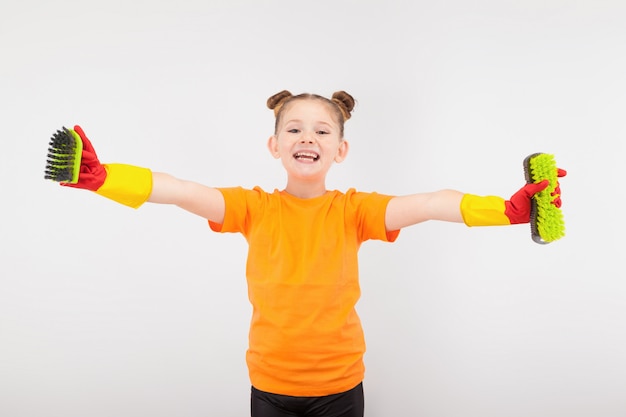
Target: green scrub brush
column 546, row 219
column 64, row 155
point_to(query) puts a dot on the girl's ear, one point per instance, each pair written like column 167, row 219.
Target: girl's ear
column 272, row 145
column 342, row 151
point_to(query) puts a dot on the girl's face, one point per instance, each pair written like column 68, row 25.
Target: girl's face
column 308, row 140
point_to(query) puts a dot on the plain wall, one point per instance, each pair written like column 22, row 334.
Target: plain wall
column 110, row 311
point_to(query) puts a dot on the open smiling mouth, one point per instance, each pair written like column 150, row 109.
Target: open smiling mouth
column 306, row 156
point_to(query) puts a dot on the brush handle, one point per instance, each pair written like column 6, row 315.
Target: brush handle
column 534, row 231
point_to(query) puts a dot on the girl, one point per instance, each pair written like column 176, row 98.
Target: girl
column 305, row 356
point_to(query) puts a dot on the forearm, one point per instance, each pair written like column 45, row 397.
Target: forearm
column 166, row 189
column 443, row 205
column 196, row 198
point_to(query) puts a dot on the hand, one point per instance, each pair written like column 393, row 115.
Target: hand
column 517, row 209
column 92, row 173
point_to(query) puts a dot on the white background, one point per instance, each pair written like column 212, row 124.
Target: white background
column 108, row 311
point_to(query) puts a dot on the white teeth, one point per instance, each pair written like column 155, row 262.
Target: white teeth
column 309, row 155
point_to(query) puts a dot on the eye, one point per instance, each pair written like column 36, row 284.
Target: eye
column 294, row 130
column 322, row 132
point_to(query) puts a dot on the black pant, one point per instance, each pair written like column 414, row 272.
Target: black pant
column 345, row 404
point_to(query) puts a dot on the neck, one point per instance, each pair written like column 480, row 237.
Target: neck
column 304, row 189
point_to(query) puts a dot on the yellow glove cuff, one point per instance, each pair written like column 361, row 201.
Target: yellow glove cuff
column 483, row 211
column 127, row 184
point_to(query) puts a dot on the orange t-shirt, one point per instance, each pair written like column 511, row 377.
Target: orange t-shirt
column 305, row 336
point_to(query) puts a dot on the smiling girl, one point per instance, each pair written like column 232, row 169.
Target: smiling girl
column 305, row 355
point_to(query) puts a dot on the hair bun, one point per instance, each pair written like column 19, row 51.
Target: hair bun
column 345, row 102
column 276, row 101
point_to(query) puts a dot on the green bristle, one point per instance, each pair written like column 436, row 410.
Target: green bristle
column 64, row 156
column 547, row 224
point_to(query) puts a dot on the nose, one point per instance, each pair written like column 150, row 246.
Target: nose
column 308, row 138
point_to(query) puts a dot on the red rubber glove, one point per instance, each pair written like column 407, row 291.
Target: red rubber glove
column 517, row 209
column 92, row 173
column 557, row 191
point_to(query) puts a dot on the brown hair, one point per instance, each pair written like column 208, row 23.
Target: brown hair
column 341, row 105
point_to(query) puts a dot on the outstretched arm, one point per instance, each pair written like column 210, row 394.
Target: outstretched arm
column 133, row 186
column 454, row 206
